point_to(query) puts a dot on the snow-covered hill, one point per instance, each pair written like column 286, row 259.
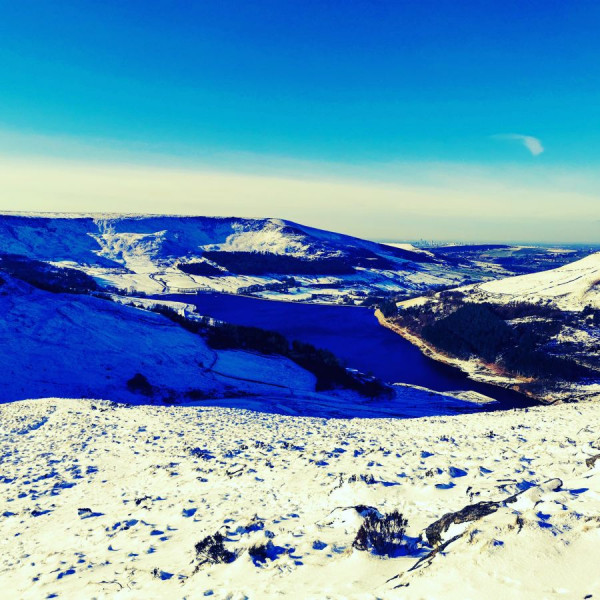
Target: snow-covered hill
column 144, row 253
column 224, row 473
column 99, row 500
column 571, row 287
column 79, row 345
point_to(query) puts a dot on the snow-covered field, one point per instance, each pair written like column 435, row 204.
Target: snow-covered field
column 108, row 501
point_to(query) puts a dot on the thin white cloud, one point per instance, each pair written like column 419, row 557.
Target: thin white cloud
column 533, row 144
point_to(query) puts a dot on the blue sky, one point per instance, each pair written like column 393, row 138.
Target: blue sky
column 439, row 97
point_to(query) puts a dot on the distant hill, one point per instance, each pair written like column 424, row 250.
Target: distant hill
column 156, row 254
column 571, row 286
column 101, row 240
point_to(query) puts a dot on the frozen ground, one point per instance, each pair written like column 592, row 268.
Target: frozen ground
column 107, row 501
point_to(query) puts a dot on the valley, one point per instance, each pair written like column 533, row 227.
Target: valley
column 299, row 300
column 268, row 258
column 211, row 407
column 354, row 335
column 233, row 270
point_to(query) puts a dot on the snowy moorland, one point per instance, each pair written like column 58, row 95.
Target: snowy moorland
column 156, row 254
column 265, row 257
column 90, row 346
column 224, row 461
column 101, row 500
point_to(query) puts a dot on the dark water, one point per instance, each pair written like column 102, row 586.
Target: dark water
column 351, row 333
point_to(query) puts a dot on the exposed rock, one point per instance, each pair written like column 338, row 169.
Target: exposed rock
column 144, row 502
column 473, row 512
column 591, row 461
column 235, row 470
column 369, row 479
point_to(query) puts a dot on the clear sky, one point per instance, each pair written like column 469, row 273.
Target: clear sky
column 386, row 119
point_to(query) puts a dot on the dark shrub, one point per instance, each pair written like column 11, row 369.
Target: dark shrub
column 517, row 310
column 196, row 394
column 226, row 335
column 473, row 329
column 259, row 553
column 323, row 364
column 193, row 325
column 388, row 308
column 381, row 535
column 212, row 551
column 523, row 360
column 592, row 314
column 263, row 263
column 139, row 384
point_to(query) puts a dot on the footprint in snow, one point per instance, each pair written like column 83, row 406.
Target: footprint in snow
column 456, row 472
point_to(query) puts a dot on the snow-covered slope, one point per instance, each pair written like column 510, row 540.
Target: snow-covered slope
column 78, row 345
column 572, row 286
column 143, row 253
column 74, row 345
column 166, row 238
column 108, row 501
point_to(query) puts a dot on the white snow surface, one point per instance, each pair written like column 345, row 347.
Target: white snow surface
column 100, row 500
column 571, row 286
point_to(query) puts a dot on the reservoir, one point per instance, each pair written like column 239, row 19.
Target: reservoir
column 353, row 334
